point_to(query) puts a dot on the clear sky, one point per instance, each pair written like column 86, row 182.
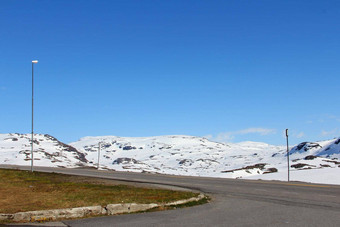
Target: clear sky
column 228, row 70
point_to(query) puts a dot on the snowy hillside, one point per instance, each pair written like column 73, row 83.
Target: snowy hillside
column 316, row 162
column 181, row 155
column 15, row 149
column 328, row 148
column 195, row 156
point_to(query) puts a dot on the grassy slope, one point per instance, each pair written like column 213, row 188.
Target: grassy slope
column 26, row 191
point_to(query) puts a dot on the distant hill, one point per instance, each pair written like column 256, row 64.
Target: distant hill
column 15, row 149
column 177, row 154
column 327, row 148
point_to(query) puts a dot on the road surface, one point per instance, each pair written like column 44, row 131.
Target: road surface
column 234, row 202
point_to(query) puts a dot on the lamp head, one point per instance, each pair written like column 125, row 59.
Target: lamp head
column 35, row 61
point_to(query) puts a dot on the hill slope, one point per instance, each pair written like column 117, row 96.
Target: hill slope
column 180, row 155
column 195, row 156
column 15, row 149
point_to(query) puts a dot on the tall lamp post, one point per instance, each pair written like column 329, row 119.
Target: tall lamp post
column 287, row 152
column 33, row 62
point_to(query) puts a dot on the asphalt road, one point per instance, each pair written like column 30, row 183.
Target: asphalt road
column 234, row 202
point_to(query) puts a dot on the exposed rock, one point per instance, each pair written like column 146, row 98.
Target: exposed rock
column 310, row 157
column 126, row 148
column 125, row 161
column 106, row 145
column 270, row 170
column 324, row 165
column 307, row 146
column 300, row 165
column 332, row 161
column 66, row 147
column 256, row 166
column 259, row 166
column 206, row 160
column 185, row 162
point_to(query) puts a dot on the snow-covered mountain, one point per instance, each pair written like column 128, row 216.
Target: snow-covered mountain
column 316, row 162
column 327, row 148
column 15, row 149
column 196, row 156
column 181, row 155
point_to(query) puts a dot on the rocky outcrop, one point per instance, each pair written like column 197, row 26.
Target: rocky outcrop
column 125, row 161
column 306, row 146
column 68, row 148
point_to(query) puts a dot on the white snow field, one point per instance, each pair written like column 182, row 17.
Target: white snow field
column 181, row 155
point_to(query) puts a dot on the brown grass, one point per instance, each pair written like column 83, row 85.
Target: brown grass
column 26, row 191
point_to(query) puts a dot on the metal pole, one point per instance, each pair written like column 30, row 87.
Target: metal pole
column 33, row 62
column 98, row 153
column 32, row 118
column 287, row 152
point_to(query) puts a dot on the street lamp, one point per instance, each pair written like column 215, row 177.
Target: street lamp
column 33, row 62
column 287, row 152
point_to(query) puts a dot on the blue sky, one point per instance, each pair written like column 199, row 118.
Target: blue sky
column 228, row 70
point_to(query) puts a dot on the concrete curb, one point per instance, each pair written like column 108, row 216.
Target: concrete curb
column 180, row 202
column 79, row 212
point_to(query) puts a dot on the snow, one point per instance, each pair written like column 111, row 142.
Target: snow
column 320, row 176
column 181, row 155
column 15, row 149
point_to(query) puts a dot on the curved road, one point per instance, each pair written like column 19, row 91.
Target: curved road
column 234, row 202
